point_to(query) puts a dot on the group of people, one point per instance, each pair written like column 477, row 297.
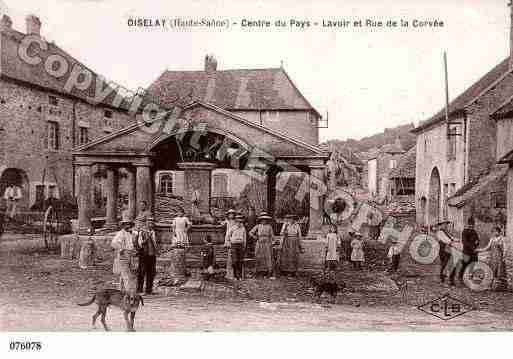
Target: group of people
column 271, row 256
column 350, row 249
column 136, row 247
column 452, row 260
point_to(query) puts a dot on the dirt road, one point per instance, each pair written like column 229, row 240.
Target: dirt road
column 39, row 292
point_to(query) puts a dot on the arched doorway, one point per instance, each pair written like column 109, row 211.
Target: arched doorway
column 434, row 197
column 226, row 186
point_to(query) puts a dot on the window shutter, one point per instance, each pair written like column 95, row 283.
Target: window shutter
column 57, row 136
column 45, row 138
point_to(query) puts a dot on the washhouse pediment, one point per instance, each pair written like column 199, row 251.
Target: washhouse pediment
column 199, row 118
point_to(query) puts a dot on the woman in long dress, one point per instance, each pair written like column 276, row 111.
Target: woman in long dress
column 124, row 266
column 290, row 246
column 181, row 226
column 496, row 261
column 333, row 242
column 229, row 222
column 263, row 234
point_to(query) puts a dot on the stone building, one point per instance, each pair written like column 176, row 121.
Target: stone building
column 454, row 157
column 265, row 97
column 40, row 120
column 402, row 177
column 203, row 139
column 379, row 166
column 457, row 174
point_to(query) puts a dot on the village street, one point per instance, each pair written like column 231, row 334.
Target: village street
column 40, row 291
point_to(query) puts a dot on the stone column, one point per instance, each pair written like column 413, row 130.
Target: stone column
column 508, row 255
column 143, row 186
column 132, row 201
column 84, row 197
column 318, row 192
column 271, row 191
column 111, row 221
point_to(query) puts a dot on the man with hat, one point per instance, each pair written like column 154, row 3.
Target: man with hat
column 236, row 240
column 147, row 244
column 263, row 234
column 125, row 260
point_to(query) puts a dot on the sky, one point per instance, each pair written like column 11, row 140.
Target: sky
column 367, row 79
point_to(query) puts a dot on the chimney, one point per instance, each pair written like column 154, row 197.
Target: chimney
column 210, row 64
column 33, row 25
column 5, row 23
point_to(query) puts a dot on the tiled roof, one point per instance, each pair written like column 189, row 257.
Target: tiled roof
column 13, row 67
column 406, row 166
column 256, row 89
column 470, row 190
column 459, row 103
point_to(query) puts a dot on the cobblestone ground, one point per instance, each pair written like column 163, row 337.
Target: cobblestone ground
column 39, row 291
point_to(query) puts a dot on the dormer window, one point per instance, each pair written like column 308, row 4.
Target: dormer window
column 108, row 114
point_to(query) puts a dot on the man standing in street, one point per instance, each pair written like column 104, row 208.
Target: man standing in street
column 236, row 241
column 470, row 241
column 147, row 244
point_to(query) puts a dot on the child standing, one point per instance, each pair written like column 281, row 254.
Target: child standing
column 394, row 255
column 357, row 254
column 331, row 249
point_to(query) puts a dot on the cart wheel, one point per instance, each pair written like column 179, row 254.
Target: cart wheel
column 50, row 227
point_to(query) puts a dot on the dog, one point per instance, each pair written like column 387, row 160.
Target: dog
column 326, row 285
column 128, row 303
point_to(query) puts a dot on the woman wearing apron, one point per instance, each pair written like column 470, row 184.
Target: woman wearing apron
column 263, row 233
column 290, row 246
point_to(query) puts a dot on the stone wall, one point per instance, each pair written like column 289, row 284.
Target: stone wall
column 24, row 114
column 431, row 154
column 482, row 143
column 297, row 124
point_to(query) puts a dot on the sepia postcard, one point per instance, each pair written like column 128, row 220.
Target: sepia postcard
column 255, row 166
